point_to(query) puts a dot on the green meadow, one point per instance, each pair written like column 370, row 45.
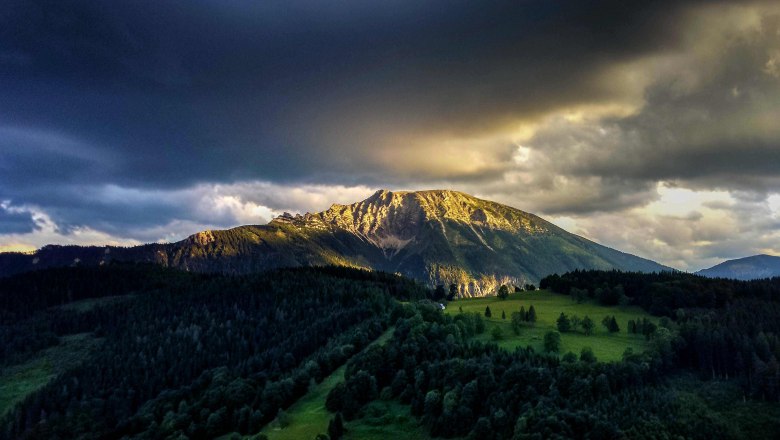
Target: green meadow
column 606, row 346
column 308, row 416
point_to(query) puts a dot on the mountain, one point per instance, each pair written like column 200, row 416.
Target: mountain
column 748, row 268
column 439, row 237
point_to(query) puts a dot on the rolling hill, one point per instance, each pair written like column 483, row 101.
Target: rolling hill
column 748, row 268
column 439, row 237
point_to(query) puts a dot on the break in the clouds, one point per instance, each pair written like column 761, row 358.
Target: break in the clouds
column 142, row 121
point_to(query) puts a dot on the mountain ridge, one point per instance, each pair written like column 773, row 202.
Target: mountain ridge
column 436, row 236
column 746, row 268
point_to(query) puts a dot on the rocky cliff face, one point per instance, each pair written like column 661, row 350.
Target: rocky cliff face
column 439, row 237
column 405, row 224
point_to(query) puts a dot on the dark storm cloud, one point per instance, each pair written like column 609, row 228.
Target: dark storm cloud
column 127, row 116
column 721, row 131
column 15, row 222
column 218, row 91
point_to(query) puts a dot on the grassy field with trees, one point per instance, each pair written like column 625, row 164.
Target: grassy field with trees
column 606, row 345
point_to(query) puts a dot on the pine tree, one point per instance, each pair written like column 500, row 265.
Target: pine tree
column 613, row 325
column 552, row 341
column 588, row 325
column 531, row 314
column 488, row 313
column 563, row 323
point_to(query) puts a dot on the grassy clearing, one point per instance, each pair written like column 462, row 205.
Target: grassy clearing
column 18, row 381
column 386, row 420
column 308, row 416
column 607, row 346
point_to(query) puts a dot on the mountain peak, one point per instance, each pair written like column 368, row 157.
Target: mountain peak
column 402, row 212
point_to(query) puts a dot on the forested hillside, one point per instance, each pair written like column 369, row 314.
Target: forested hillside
column 200, row 355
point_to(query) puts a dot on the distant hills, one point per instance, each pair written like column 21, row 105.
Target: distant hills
column 438, row 237
column 748, row 268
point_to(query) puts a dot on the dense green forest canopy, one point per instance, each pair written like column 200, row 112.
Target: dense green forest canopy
column 200, row 356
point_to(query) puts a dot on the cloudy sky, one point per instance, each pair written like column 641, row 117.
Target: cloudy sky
column 652, row 127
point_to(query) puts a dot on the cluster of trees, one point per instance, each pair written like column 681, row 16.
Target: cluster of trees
column 522, row 318
column 737, row 342
column 503, row 291
column 567, row 324
column 642, row 327
column 528, row 287
column 440, row 294
column 199, row 355
column 610, row 323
